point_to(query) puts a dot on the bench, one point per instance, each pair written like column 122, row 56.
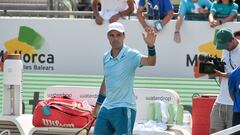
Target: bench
column 143, row 97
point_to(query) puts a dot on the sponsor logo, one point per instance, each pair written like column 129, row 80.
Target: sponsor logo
column 28, row 44
column 162, row 98
column 56, row 123
column 88, row 96
column 59, row 94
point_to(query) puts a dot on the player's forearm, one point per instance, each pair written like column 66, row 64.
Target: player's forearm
column 102, row 90
column 151, row 59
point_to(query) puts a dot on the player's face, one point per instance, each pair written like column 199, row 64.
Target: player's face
column 116, row 38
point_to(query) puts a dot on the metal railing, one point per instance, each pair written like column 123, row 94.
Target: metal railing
column 22, row 6
column 79, row 14
column 75, row 5
column 228, row 131
column 25, row 4
column 46, row 13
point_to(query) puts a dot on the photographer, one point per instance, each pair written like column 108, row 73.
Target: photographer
column 221, row 114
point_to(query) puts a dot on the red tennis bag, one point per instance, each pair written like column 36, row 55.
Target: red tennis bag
column 63, row 112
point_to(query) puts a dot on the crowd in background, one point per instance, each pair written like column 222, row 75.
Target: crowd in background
column 216, row 12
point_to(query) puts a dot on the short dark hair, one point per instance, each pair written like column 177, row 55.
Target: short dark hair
column 236, row 33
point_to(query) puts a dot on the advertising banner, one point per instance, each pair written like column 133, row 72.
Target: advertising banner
column 144, row 96
column 76, row 46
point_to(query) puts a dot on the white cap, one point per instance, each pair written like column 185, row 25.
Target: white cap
column 116, row 26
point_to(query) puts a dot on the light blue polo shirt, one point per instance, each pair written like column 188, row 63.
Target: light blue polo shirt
column 234, row 87
column 119, row 75
column 219, row 8
column 188, row 6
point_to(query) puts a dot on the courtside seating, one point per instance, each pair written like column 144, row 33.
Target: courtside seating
column 143, row 95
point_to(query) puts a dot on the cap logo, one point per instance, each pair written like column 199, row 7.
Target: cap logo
column 219, row 40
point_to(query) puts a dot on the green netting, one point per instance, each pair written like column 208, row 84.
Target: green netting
column 185, row 87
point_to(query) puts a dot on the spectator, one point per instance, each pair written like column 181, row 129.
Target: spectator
column 234, row 90
column 157, row 10
column 189, row 7
column 225, row 9
column 221, row 114
column 238, row 3
column 112, row 10
column 118, row 111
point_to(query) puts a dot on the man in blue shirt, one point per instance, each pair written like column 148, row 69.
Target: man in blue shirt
column 157, row 10
column 190, row 7
column 116, row 95
column 234, row 90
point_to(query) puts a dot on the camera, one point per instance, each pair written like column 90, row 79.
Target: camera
column 209, row 63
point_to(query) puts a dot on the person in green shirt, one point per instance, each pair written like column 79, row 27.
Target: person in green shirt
column 222, row 11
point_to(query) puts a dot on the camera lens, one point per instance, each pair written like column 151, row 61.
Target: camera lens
column 203, row 57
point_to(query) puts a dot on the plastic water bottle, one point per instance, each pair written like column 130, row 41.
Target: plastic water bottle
column 171, row 112
column 150, row 111
column 179, row 119
column 158, row 111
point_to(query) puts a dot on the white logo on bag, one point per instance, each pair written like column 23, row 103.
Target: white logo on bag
column 56, row 123
column 84, row 105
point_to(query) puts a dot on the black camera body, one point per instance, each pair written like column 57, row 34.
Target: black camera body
column 209, row 63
